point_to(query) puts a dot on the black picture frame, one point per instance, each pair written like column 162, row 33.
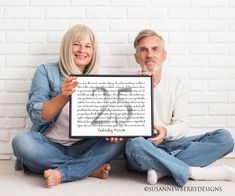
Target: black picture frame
column 80, row 129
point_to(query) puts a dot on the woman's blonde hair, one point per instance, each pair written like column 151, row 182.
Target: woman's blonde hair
column 66, row 62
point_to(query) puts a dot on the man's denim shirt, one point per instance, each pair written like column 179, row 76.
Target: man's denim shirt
column 46, row 84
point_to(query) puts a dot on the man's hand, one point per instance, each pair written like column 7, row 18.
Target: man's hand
column 161, row 134
column 114, row 139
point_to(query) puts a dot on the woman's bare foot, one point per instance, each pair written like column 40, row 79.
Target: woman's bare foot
column 53, row 177
column 102, row 172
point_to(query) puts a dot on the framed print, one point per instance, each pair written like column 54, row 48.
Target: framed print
column 112, row 106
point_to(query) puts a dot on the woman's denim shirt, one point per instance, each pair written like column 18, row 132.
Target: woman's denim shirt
column 46, row 84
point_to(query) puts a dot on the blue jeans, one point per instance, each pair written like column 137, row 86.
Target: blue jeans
column 37, row 154
column 175, row 157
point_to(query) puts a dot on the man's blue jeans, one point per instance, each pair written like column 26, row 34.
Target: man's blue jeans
column 175, row 157
column 37, row 154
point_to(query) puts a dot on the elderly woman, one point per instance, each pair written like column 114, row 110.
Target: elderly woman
column 47, row 148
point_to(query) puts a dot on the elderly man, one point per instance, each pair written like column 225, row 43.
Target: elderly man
column 169, row 152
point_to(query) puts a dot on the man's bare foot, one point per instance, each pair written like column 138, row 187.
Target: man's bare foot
column 102, row 172
column 53, row 177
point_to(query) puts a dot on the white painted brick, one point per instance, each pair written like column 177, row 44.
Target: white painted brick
column 1, row 12
column 106, row 13
column 208, row 73
column 48, row 25
column 197, row 85
column 222, row 109
column 112, row 37
column 13, row 3
column 122, row 49
column 104, row 49
column 20, row 12
column 170, row 3
column 14, row 49
column 13, row 24
column 12, row 73
column 221, row 13
column 113, row 61
column 4, row 135
column 1, row 37
column 2, row 61
column 15, row 111
column 44, row 49
column 174, row 49
column 13, row 98
column 209, row 25
column 231, row 97
column 128, row 25
column 5, row 156
column 95, row 25
column 2, row 111
column 25, row 37
column 169, row 25
column 204, row 49
column 221, row 85
column 232, row 2
column 63, row 13
column 50, row 3
column 207, row 121
column 209, row 3
column 55, row 37
column 207, row 97
column 219, row 60
column 231, row 121
column 187, row 61
column 231, row 73
column 17, row 86
column 222, row 37
column 12, row 122
column 5, row 147
column 147, row 13
column 31, row 72
column 188, row 37
column 231, row 48
column 29, row 60
column 197, row 109
column 232, row 25
column 130, row 3
column 187, row 13
column 2, row 85
column 90, row 3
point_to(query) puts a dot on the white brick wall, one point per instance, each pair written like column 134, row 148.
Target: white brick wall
column 199, row 35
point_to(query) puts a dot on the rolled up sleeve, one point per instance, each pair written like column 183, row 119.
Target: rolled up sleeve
column 39, row 93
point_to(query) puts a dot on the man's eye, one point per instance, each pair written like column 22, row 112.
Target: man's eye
column 143, row 49
column 155, row 49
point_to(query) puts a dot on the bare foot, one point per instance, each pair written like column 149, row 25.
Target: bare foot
column 53, row 177
column 102, row 172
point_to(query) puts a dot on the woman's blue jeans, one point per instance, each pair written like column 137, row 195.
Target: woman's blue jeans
column 175, row 157
column 37, row 154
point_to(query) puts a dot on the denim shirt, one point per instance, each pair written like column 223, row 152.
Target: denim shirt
column 46, row 84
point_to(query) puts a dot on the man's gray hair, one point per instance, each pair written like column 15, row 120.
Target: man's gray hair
column 147, row 33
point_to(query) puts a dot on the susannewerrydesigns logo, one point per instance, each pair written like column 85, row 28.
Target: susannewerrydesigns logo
column 111, row 131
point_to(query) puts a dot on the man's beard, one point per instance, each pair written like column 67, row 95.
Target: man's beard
column 155, row 68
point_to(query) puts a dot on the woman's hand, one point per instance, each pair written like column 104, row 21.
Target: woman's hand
column 68, row 86
column 161, row 134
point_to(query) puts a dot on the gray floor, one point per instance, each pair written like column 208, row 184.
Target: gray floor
column 120, row 183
